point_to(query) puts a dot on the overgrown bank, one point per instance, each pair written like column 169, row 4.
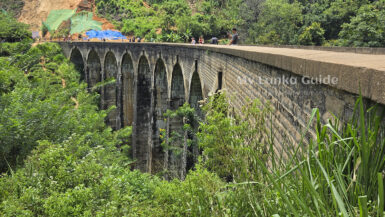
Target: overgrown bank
column 61, row 159
column 356, row 23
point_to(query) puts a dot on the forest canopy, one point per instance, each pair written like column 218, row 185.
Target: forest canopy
column 288, row 22
column 59, row 158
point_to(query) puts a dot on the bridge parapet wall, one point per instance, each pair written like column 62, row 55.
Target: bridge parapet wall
column 293, row 81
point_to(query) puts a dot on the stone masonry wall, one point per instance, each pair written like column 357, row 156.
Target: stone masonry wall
column 245, row 76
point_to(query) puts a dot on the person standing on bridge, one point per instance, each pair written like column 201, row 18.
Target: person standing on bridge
column 201, row 40
column 234, row 37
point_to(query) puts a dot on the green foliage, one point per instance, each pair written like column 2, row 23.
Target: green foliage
column 174, row 19
column 39, row 107
column 228, row 142
column 11, row 30
column 12, row 7
column 355, row 22
column 61, row 159
column 9, row 49
column 197, row 195
column 313, row 35
column 367, row 28
column 278, row 23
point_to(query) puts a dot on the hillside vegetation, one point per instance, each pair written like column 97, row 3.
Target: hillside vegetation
column 60, row 159
column 358, row 23
column 326, row 22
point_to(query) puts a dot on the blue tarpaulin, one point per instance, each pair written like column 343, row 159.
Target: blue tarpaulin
column 106, row 34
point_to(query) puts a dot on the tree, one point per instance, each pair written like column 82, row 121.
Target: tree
column 313, row 35
column 280, row 19
column 367, row 28
column 11, row 30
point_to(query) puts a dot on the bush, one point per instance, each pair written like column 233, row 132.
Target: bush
column 313, row 35
column 278, row 23
column 11, row 49
column 367, row 28
column 11, row 30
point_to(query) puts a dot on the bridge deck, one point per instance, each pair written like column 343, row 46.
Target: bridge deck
column 355, row 71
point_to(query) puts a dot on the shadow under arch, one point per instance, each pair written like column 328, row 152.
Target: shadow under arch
column 77, row 59
column 127, row 94
column 110, row 89
column 195, row 92
column 160, row 107
column 196, row 95
column 94, row 69
column 143, row 144
column 177, row 88
column 175, row 157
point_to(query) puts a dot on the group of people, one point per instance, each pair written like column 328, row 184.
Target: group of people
column 134, row 39
column 234, row 39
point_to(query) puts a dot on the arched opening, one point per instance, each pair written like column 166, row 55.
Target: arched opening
column 176, row 156
column 77, row 59
column 93, row 69
column 142, row 146
column 160, row 107
column 195, row 92
column 195, row 97
column 110, row 90
column 177, row 88
column 220, row 81
column 127, row 90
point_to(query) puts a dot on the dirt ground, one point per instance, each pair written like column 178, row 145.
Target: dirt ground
column 36, row 11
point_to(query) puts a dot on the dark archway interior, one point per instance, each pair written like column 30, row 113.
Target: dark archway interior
column 195, row 97
column 176, row 161
column 77, row 59
column 110, row 90
column 177, row 88
column 143, row 108
column 93, row 69
column 195, row 92
column 160, row 107
column 127, row 90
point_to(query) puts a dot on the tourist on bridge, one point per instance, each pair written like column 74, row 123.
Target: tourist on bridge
column 193, row 41
column 201, row 40
column 234, row 37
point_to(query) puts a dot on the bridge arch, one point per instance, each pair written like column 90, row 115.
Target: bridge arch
column 94, row 69
column 196, row 92
column 111, row 89
column 196, row 89
column 177, row 88
column 127, row 90
column 76, row 58
column 160, row 94
column 176, row 161
column 142, row 149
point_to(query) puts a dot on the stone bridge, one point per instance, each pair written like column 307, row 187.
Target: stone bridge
column 151, row 78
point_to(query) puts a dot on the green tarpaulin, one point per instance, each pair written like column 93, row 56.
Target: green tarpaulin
column 56, row 17
column 83, row 21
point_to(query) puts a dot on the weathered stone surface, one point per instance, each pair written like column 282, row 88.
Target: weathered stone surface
column 160, row 76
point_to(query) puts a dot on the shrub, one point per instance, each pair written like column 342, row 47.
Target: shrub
column 313, row 35
column 366, row 29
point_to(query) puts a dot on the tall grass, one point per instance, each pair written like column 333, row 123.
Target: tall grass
column 338, row 173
